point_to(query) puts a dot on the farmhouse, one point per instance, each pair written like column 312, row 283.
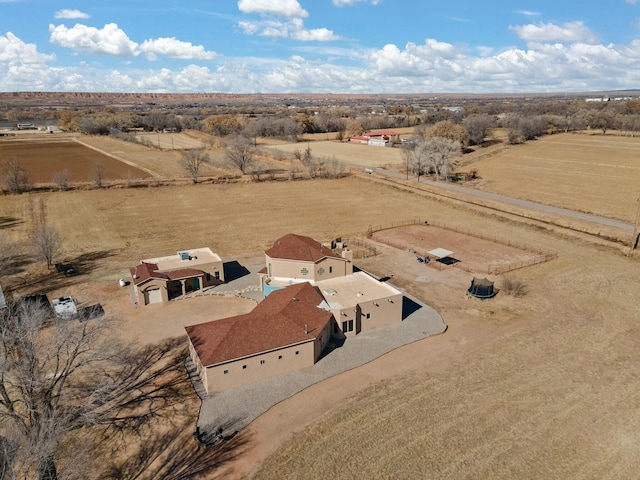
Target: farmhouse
column 311, row 296
column 358, row 301
column 296, row 258
column 159, row 280
column 383, row 138
column 287, row 331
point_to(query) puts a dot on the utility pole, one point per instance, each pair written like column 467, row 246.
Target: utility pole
column 635, row 230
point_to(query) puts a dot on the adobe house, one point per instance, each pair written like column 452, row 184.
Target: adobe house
column 285, row 332
column 358, row 301
column 159, row 280
column 296, row 258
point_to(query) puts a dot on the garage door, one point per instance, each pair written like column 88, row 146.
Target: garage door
column 154, row 296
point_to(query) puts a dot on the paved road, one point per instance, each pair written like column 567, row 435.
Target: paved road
column 510, row 200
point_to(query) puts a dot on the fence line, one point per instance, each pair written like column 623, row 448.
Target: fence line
column 492, row 269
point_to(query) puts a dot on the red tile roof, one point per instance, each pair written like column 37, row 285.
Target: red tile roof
column 299, row 247
column 381, row 133
column 146, row 271
column 279, row 320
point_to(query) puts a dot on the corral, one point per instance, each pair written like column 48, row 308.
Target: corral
column 475, row 254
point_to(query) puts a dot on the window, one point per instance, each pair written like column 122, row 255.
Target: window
column 321, row 271
column 304, row 271
column 262, row 362
column 297, row 352
column 279, row 357
column 368, row 315
column 225, row 372
column 347, row 326
column 244, row 367
column 217, row 274
column 330, row 269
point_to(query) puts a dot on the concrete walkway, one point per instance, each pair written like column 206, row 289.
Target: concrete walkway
column 236, row 408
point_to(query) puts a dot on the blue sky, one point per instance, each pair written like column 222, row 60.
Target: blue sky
column 319, row 46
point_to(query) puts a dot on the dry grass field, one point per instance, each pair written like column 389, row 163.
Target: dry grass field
column 591, row 173
column 184, row 140
column 537, row 387
column 543, row 386
column 363, row 155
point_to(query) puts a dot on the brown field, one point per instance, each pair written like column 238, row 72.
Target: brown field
column 591, row 173
column 43, row 158
column 543, row 386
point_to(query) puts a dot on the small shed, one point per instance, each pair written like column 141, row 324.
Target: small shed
column 482, row 288
column 440, row 252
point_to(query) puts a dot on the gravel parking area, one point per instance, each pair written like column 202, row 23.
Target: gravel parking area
column 235, row 409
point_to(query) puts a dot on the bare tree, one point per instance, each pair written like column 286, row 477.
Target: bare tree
column 193, row 160
column 15, row 178
column 46, row 242
column 61, row 180
column 240, row 153
column 63, row 376
column 477, row 127
column 438, row 152
column 97, row 174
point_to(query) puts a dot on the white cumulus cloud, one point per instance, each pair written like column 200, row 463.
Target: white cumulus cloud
column 109, row 40
column 173, row 48
column 284, row 8
column 15, row 51
column 293, row 29
column 70, row 14
column 548, row 32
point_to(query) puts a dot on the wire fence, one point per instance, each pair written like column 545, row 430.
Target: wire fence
column 539, row 255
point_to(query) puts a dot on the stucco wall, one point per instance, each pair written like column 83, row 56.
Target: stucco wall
column 383, row 312
column 258, row 367
column 323, row 269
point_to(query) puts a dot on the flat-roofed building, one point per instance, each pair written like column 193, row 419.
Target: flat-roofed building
column 161, row 279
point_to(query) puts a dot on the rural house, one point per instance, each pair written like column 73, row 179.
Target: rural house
column 159, row 280
column 285, row 332
column 358, row 301
column 296, row 258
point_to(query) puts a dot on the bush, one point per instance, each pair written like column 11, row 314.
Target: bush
column 515, row 288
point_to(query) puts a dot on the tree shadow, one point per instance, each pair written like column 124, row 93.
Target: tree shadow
column 9, row 222
column 14, row 265
column 64, row 275
column 176, row 454
column 234, row 270
column 166, row 443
